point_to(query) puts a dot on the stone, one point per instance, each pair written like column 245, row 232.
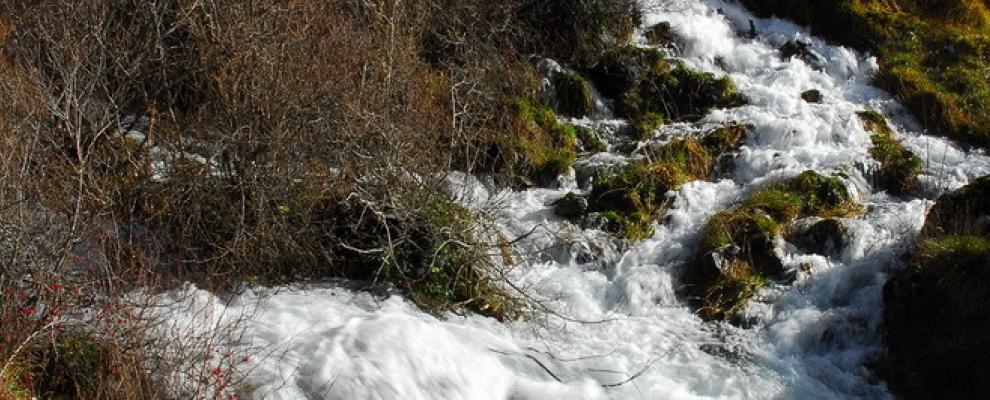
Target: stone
column 570, row 206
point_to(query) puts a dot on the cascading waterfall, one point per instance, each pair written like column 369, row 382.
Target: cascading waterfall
column 617, row 328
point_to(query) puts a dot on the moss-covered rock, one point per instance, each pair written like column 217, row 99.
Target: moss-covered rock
column 538, row 146
column 899, row 167
column 965, row 211
column 588, row 141
column 937, row 311
column 800, row 50
column 937, row 321
column 724, row 140
column 573, row 94
column 643, row 81
column 643, row 125
column 737, row 252
column 661, row 34
column 823, row 237
column 570, row 206
column 636, row 194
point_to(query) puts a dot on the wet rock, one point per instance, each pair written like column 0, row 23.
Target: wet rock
column 661, row 34
column 799, row 49
column 812, row 96
column 572, row 94
column 588, row 140
column 570, row 206
column 585, row 173
column 963, row 212
column 608, row 222
column 643, row 81
column 737, row 254
column 824, row 237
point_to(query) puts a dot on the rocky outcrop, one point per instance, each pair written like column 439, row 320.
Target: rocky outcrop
column 737, row 254
column 937, row 310
column 643, row 81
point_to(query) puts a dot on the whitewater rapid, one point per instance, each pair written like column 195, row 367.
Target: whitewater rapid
column 616, row 329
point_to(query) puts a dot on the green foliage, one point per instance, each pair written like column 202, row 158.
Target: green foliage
column 538, row 146
column 12, row 384
column 899, row 167
column 440, row 269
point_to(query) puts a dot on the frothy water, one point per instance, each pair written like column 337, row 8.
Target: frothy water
column 614, row 326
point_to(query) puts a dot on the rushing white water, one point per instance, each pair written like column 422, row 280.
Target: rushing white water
column 618, row 330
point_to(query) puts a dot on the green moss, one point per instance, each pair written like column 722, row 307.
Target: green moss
column 954, row 250
column 637, row 193
column 933, row 54
column 644, row 125
column 589, row 141
column 573, row 94
column 643, row 81
column 899, row 167
column 539, row 146
column 724, row 139
column 688, row 156
column 726, row 297
column 736, row 252
column 823, row 196
column 637, row 226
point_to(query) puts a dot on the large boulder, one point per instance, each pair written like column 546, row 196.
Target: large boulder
column 570, row 206
column 937, row 321
column 572, row 94
column 937, row 310
column 737, row 254
column 963, row 212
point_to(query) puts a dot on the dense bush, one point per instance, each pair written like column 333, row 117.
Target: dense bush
column 148, row 144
